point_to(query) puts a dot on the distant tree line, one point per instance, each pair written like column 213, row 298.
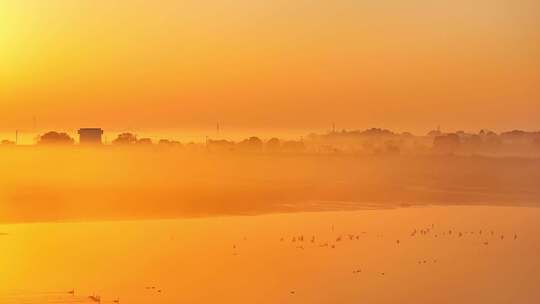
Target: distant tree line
column 370, row 141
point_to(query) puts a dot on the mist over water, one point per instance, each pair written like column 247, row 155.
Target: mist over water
column 77, row 183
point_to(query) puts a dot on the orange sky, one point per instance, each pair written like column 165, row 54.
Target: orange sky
column 270, row 65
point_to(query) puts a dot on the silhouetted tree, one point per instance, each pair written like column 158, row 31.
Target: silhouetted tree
column 377, row 132
column 219, row 145
column 449, row 143
column 170, row 143
column 125, row 139
column 517, row 137
column 55, row 138
column 273, row 145
column 144, row 141
column 252, row 144
column 473, row 142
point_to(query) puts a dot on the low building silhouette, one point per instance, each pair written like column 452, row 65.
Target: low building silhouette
column 90, row 136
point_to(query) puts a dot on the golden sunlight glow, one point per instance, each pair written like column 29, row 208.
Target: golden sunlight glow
column 269, row 151
column 195, row 62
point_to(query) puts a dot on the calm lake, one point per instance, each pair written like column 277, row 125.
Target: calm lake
column 472, row 254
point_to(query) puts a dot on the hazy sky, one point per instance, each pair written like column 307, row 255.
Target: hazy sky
column 268, row 65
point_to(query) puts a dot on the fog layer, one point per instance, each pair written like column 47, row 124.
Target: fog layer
column 45, row 184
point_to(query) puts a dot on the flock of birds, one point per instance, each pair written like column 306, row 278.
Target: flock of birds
column 53, row 297
column 299, row 241
column 302, row 242
column 61, row 297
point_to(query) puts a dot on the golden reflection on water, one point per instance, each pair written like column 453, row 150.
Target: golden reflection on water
column 243, row 260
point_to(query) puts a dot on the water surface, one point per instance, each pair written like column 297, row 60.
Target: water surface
column 243, row 259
